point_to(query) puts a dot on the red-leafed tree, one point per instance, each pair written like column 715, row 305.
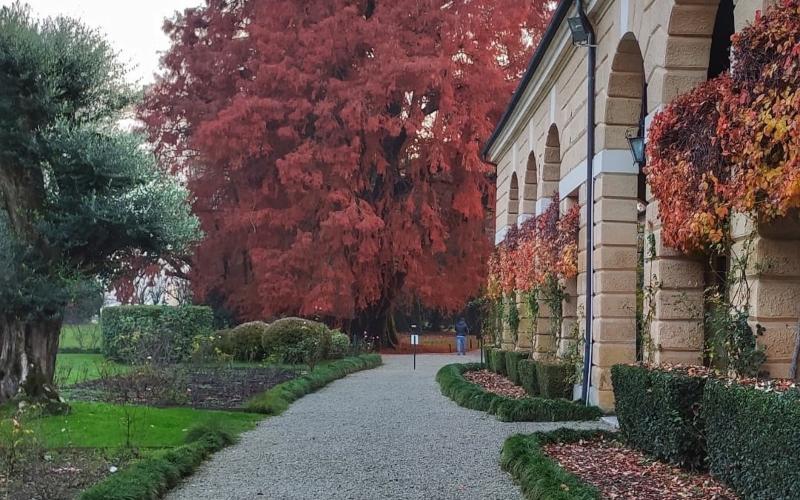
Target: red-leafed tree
column 333, row 147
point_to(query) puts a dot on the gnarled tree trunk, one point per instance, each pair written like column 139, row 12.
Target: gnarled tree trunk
column 28, row 357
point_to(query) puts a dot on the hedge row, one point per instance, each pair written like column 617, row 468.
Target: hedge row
column 466, row 394
column 538, row 378
column 538, row 476
column 753, row 440
column 276, row 400
column 746, row 436
column 150, row 478
column 132, row 334
column 659, row 413
column 512, row 370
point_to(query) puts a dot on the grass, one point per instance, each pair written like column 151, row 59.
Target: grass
column 539, row 477
column 72, row 335
column 465, row 393
column 74, row 368
column 101, row 425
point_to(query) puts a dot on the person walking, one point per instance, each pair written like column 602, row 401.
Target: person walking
column 461, row 337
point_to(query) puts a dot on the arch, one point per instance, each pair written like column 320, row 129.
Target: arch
column 551, row 168
column 513, row 200
column 529, row 192
column 724, row 27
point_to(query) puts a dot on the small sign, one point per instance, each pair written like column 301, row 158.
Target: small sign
column 415, row 340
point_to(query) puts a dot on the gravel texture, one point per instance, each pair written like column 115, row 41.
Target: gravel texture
column 385, row 433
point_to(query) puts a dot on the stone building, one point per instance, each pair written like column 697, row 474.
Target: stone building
column 647, row 52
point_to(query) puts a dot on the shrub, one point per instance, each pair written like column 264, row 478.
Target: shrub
column 498, row 362
column 512, row 358
column 488, row 356
column 753, row 440
column 527, row 376
column 158, row 334
column 340, row 345
column 464, row 393
column 538, row 476
column 659, row 413
column 297, row 340
column 276, row 400
column 244, row 342
column 554, row 380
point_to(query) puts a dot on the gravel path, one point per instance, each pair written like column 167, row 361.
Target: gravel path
column 385, row 433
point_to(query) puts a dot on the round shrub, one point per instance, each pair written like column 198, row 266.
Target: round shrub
column 243, row 342
column 297, row 340
column 340, row 344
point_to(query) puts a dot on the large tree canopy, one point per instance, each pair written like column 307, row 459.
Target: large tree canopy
column 77, row 195
column 333, row 146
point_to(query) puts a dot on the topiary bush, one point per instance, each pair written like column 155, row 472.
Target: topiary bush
column 498, row 361
column 753, row 438
column 153, row 334
column 512, row 358
column 340, row 345
column 659, row 413
column 244, row 342
column 554, row 380
column 489, row 358
column 297, row 340
column 527, row 376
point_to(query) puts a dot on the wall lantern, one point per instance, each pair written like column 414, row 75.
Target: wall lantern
column 580, row 28
column 636, row 142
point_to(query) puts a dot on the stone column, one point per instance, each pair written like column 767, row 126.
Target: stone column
column 673, row 298
column 614, row 261
column 773, row 279
column 569, row 307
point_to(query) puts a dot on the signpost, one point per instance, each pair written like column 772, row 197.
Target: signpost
column 414, row 342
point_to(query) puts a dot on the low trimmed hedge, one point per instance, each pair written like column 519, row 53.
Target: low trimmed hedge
column 498, row 361
column 753, row 440
column 276, row 400
column 659, row 413
column 527, row 376
column 489, row 358
column 150, row 478
column 539, row 477
column 553, row 380
column 512, row 358
column 465, row 393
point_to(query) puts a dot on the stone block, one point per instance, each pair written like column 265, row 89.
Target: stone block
column 775, row 299
column 616, row 210
column 778, row 368
column 779, row 337
column 616, row 233
column 678, row 335
column 613, row 305
column 615, row 281
column 603, row 399
column 686, row 304
column 621, row 110
column 682, row 357
column 614, row 329
column 692, row 20
column 613, row 257
column 675, row 274
column 605, row 354
column 615, row 186
column 601, row 378
column 775, row 258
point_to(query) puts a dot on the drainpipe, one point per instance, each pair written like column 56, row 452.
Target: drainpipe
column 590, row 129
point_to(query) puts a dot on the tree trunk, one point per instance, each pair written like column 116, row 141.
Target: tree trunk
column 28, row 357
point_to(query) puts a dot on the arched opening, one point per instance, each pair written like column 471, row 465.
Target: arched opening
column 724, row 27
column 529, row 189
column 551, row 168
column 513, row 201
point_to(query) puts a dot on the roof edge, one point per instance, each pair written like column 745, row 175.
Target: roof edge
column 558, row 17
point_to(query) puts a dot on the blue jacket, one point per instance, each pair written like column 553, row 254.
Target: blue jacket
column 461, row 328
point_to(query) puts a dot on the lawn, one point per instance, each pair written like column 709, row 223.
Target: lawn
column 74, row 368
column 86, row 336
column 101, row 425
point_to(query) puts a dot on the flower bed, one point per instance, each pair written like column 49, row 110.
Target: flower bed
column 495, row 383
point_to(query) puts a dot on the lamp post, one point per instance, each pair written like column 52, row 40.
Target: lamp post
column 637, row 145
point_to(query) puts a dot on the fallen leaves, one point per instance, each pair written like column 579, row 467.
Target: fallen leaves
column 495, row 383
column 619, row 472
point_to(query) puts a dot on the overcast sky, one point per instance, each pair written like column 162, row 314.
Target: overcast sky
column 133, row 28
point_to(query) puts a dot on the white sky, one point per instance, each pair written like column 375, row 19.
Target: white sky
column 132, row 28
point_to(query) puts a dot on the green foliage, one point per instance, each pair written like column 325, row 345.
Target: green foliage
column 512, row 358
column 297, row 340
column 497, row 361
column 157, row 334
column 527, row 376
column 244, row 342
column 276, row 400
column 538, row 476
column 554, row 379
column 340, row 345
column 80, row 195
column 659, row 413
column 731, row 333
column 464, row 393
column 753, row 440
column 512, row 316
column 150, row 478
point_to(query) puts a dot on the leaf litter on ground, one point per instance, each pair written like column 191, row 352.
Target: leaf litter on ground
column 495, row 383
column 619, row 472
